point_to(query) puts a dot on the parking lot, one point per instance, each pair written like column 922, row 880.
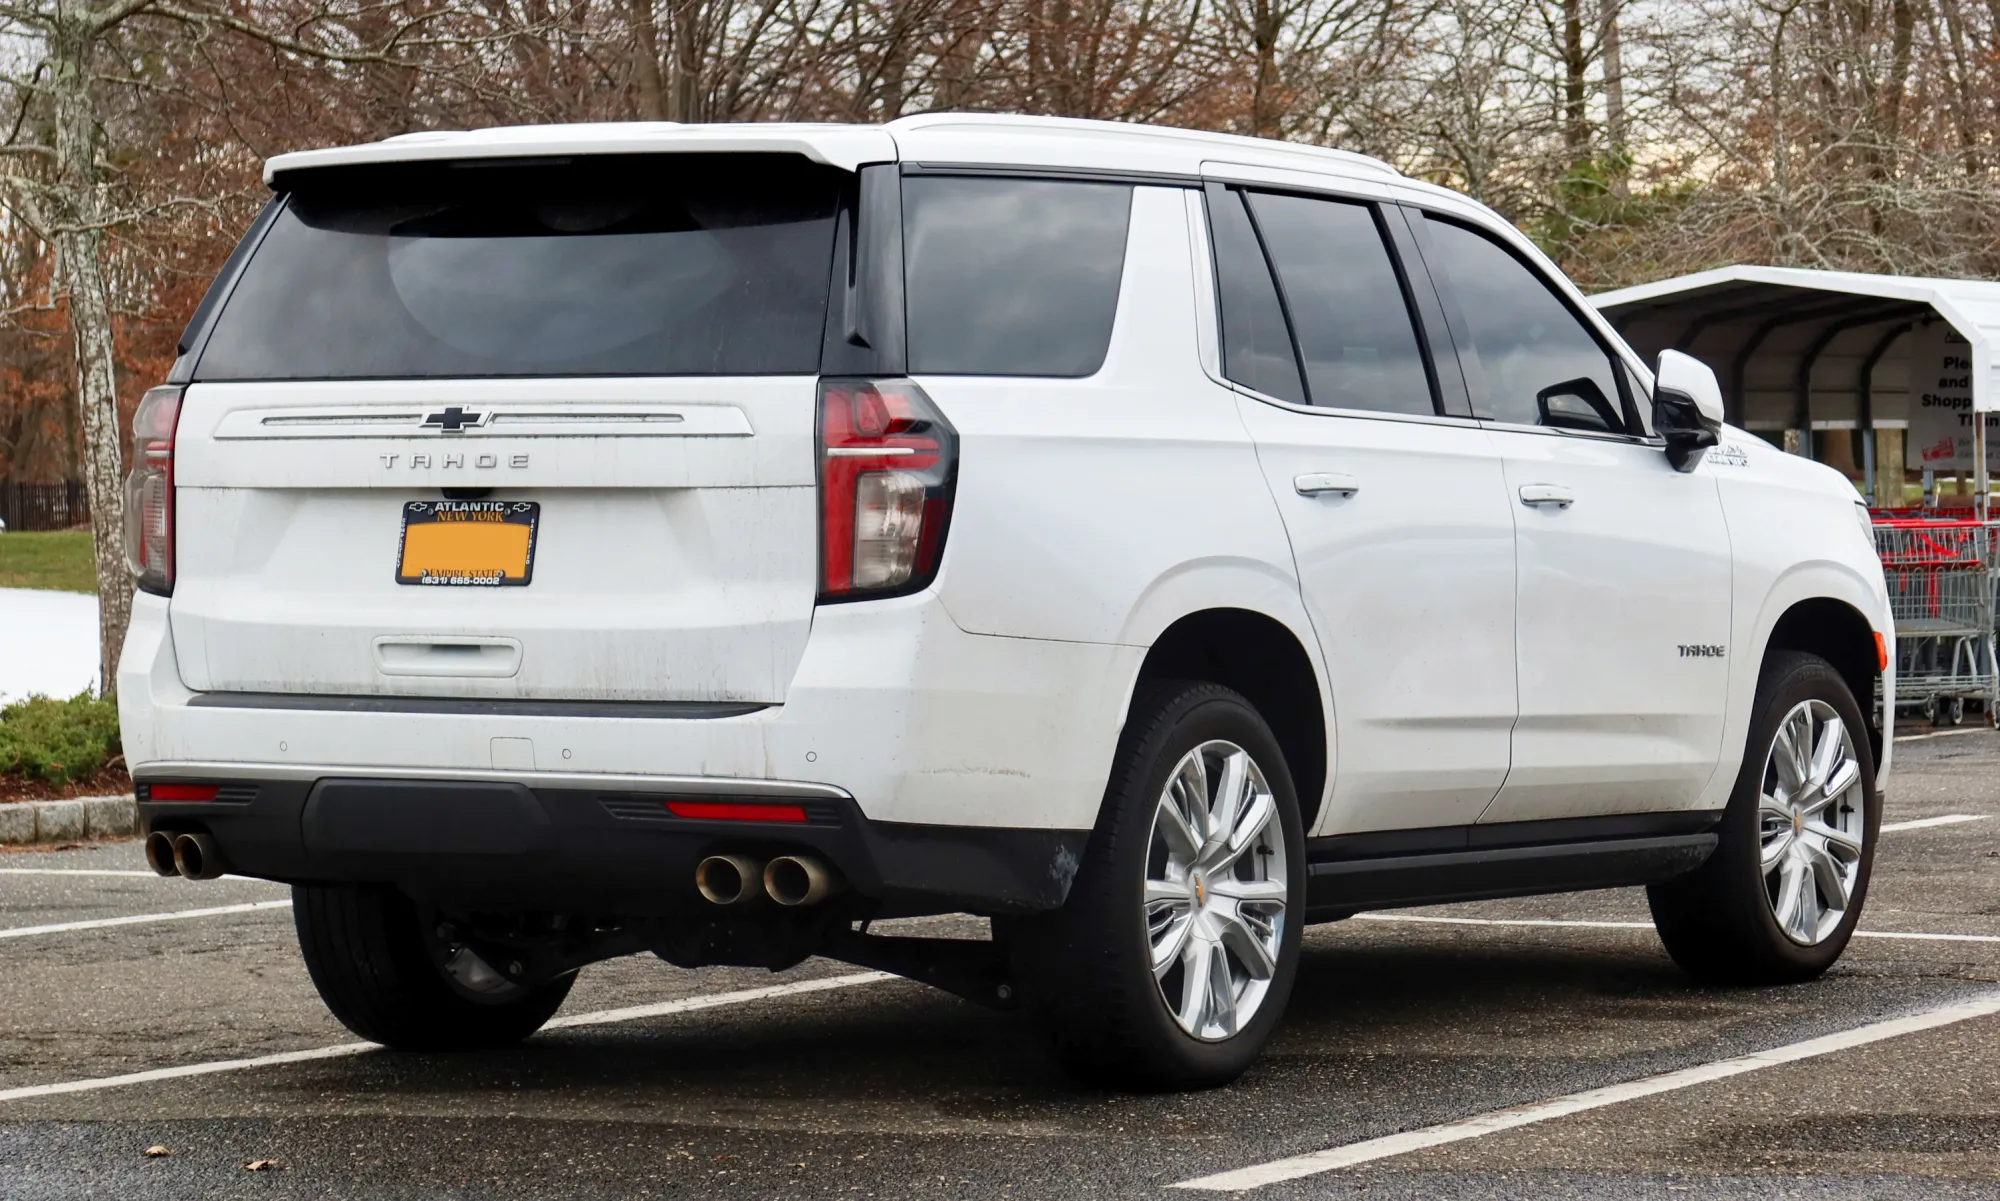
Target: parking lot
column 192, row 1027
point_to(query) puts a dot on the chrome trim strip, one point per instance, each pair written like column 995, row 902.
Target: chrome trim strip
column 477, row 706
column 689, row 785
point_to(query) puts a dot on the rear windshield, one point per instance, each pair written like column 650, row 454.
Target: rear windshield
column 658, row 265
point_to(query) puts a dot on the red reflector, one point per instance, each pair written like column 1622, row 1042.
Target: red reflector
column 736, row 811
column 1881, row 651
column 181, row 792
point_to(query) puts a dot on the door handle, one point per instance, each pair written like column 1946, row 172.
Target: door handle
column 1537, row 495
column 1337, row 482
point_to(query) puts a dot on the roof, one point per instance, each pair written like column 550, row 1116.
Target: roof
column 1783, row 325
column 953, row 138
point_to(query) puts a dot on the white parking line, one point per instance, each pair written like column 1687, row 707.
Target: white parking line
column 105, row 871
column 1924, row 823
column 1373, row 1149
column 1560, row 923
column 140, row 919
column 1943, row 734
column 600, row 1017
column 75, row 871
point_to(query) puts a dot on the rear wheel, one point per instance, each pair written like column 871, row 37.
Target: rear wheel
column 1782, row 894
column 391, row 981
column 1171, row 962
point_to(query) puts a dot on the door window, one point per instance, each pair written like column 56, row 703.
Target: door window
column 1257, row 349
column 1349, row 316
column 1537, row 364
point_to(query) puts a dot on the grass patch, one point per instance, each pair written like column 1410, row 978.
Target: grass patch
column 58, row 742
column 59, row 559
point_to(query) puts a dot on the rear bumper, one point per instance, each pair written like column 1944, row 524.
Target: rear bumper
column 593, row 844
column 893, row 705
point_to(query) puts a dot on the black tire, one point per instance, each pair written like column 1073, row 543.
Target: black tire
column 365, row 948
column 1717, row 921
column 1086, row 969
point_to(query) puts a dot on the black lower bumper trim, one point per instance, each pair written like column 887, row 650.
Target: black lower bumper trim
column 508, row 846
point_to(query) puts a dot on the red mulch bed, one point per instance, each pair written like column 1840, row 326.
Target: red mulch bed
column 112, row 781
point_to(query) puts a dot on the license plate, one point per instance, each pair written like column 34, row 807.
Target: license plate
column 468, row 543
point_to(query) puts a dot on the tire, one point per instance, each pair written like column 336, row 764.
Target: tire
column 1722, row 921
column 366, row 950
column 1087, row 969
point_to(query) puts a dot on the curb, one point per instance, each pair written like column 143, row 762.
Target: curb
column 29, row 823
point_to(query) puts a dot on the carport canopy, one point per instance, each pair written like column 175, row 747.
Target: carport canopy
column 1819, row 361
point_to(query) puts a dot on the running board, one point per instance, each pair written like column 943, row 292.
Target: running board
column 1338, row 888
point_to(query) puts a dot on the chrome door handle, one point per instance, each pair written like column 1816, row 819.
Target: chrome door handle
column 1536, row 495
column 1337, row 482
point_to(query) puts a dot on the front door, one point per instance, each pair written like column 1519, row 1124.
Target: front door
column 1398, row 515
column 1622, row 610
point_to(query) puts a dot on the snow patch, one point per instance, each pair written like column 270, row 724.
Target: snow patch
column 48, row 643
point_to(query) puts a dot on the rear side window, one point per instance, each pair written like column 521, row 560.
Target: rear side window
column 1011, row 276
column 1539, row 363
column 1346, row 303
column 1257, row 349
column 600, row 265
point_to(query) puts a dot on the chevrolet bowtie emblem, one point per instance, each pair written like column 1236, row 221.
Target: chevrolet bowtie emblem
column 454, row 420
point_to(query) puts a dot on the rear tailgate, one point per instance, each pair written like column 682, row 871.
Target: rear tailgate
column 674, row 556
column 622, row 350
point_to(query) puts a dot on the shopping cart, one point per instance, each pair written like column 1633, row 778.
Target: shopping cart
column 1940, row 573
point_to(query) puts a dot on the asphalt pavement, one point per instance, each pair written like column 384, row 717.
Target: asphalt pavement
column 830, row 1082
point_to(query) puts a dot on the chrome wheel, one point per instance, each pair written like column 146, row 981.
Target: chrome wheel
column 1216, row 888
column 1812, row 819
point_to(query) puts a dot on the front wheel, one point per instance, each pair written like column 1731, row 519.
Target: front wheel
column 390, row 981
column 1780, row 897
column 1171, row 962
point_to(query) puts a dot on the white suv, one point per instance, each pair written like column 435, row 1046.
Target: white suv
column 559, row 543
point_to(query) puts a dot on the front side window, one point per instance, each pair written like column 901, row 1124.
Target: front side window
column 1538, row 363
column 598, row 265
column 1012, row 276
column 1348, row 312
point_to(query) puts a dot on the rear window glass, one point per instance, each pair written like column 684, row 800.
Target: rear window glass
column 1012, row 276
column 661, row 265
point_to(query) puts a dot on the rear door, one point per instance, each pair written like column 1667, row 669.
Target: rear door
column 622, row 350
column 1396, row 509
column 1623, row 607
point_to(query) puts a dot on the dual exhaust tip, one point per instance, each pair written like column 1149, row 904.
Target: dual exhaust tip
column 194, row 856
column 790, row 880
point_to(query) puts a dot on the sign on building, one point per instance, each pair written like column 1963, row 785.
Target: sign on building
column 1941, row 417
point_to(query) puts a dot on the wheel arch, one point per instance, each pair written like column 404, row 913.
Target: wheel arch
column 1267, row 661
column 1840, row 633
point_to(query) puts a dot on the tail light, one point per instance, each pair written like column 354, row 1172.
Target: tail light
column 888, row 465
column 149, row 492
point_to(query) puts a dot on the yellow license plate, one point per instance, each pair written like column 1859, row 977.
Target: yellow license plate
column 469, row 543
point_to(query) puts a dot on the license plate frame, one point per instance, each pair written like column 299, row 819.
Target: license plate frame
column 468, row 543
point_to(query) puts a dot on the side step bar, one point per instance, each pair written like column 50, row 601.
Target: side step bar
column 1339, row 887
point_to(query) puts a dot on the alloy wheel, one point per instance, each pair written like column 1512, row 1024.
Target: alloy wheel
column 1812, row 820
column 1216, row 890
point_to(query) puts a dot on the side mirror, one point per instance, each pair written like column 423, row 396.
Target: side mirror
column 1687, row 408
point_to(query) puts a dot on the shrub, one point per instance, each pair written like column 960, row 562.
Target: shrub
column 58, row 742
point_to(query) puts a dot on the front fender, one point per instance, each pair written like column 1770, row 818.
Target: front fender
column 1822, row 579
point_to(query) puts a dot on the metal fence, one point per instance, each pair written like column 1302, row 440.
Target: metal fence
column 44, row 506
